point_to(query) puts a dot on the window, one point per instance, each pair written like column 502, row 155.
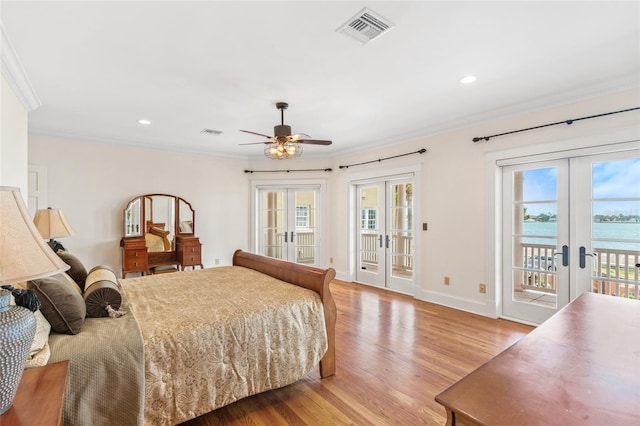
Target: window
column 368, row 219
column 302, row 216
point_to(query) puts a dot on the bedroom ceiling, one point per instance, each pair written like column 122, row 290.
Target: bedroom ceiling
column 98, row 67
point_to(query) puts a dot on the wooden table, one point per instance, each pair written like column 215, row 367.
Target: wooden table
column 582, row 366
column 39, row 398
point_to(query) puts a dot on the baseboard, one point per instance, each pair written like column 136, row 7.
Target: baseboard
column 343, row 276
column 485, row 308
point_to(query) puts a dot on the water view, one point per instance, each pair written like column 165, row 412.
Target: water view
column 614, row 234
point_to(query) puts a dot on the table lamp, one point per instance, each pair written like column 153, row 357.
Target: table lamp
column 24, row 256
column 52, row 224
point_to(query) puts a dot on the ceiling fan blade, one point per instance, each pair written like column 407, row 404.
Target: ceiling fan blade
column 299, row 136
column 255, row 143
column 314, row 141
column 257, row 134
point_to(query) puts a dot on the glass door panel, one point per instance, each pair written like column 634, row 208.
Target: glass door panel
column 609, row 250
column 400, row 226
column 288, row 224
column 305, row 226
column 536, row 234
column 371, row 235
column 273, row 216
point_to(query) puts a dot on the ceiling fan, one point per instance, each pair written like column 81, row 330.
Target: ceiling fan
column 283, row 145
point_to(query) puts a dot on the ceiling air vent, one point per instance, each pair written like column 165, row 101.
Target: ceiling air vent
column 365, row 26
column 211, row 132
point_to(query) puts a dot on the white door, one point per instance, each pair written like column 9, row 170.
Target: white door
column 569, row 226
column 37, row 188
column 608, row 247
column 288, row 223
column 385, row 242
column 535, row 261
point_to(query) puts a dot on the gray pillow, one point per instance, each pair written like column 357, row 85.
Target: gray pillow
column 61, row 302
column 76, row 271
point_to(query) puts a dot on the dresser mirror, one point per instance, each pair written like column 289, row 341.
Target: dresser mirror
column 160, row 219
column 159, row 232
column 185, row 218
column 132, row 216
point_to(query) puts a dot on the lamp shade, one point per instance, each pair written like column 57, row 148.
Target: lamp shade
column 24, row 255
column 52, row 224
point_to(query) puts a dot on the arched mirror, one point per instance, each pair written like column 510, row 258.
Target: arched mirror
column 159, row 218
column 132, row 215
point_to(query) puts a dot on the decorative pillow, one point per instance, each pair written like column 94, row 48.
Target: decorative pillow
column 61, row 302
column 101, row 290
column 77, row 271
column 39, row 353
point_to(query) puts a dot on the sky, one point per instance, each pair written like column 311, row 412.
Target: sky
column 611, row 180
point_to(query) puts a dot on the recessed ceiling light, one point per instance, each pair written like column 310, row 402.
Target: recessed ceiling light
column 468, row 79
column 143, row 121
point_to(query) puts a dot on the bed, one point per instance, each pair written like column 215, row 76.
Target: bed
column 194, row 341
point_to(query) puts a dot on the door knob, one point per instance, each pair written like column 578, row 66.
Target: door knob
column 565, row 255
column 583, row 256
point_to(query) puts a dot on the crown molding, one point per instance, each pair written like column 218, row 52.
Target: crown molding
column 15, row 75
column 55, row 134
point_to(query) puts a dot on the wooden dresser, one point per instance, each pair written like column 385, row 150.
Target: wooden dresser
column 580, row 367
column 136, row 257
column 159, row 235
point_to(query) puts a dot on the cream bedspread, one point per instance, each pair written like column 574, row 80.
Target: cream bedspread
column 214, row 336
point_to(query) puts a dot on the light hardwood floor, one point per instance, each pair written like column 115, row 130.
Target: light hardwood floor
column 394, row 354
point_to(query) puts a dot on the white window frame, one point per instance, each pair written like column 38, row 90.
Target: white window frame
column 306, row 209
column 366, row 219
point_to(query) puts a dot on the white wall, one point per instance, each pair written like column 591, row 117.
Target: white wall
column 92, row 183
column 13, row 139
column 455, row 198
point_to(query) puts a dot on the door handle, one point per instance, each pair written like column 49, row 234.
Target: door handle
column 380, row 240
column 583, row 256
column 292, row 235
column 285, row 237
column 565, row 255
column 386, row 241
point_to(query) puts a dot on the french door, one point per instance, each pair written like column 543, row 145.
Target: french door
column 569, row 225
column 288, row 224
column 385, row 242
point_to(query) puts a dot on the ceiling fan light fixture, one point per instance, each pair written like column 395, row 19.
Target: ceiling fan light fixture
column 282, row 151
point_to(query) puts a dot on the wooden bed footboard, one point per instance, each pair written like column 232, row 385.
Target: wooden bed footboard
column 309, row 277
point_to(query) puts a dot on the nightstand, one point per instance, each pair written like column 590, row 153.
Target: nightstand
column 40, row 397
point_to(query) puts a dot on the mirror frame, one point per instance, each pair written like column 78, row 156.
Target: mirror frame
column 139, row 205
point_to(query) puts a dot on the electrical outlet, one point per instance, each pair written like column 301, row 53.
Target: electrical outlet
column 446, row 280
column 483, row 288
column 217, row 261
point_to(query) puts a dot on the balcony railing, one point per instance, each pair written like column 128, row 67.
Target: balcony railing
column 401, row 249
column 615, row 272
column 305, row 246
